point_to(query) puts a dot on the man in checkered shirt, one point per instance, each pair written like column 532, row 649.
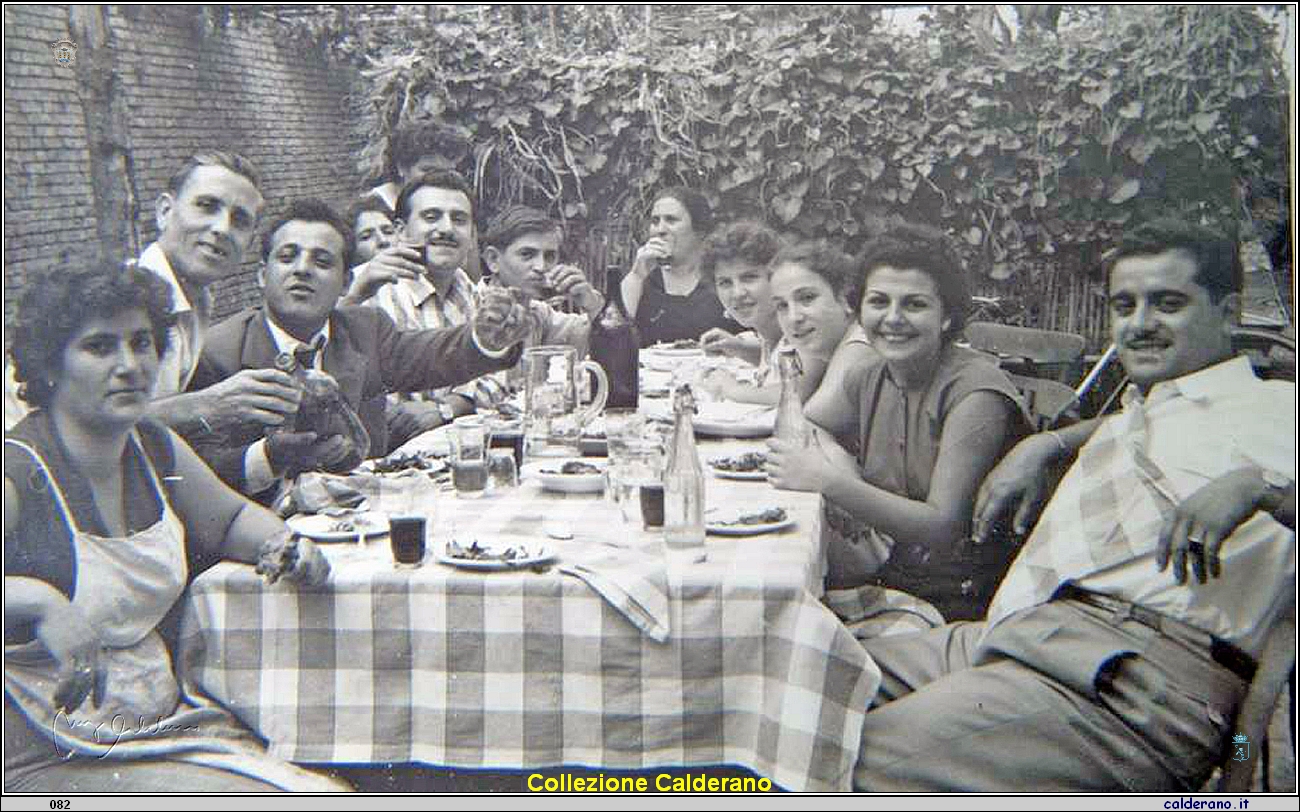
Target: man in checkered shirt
column 1121, row 642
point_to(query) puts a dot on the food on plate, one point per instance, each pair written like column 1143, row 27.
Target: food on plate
column 394, row 463
column 679, row 344
column 769, row 516
column 748, row 462
column 574, row 467
column 477, row 552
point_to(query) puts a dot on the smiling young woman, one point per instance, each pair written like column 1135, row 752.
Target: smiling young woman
column 931, row 421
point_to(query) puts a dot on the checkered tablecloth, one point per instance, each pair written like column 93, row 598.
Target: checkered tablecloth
column 529, row 669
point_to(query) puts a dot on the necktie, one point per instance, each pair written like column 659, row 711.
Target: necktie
column 306, row 354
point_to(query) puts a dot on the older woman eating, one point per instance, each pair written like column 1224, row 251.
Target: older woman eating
column 932, row 420
column 106, row 515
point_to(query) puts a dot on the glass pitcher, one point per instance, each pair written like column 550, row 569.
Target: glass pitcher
column 553, row 416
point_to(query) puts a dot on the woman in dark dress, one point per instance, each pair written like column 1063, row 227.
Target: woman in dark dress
column 663, row 291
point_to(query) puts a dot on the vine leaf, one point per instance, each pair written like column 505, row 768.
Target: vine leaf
column 1126, row 191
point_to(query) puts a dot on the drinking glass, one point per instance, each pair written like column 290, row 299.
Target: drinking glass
column 469, row 456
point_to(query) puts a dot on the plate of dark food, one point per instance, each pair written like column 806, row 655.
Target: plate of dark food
column 479, row 556
column 339, row 524
column 398, row 462
column 742, row 466
column 746, row 521
column 570, row 476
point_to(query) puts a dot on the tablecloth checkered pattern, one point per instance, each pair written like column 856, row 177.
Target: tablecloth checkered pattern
column 524, row 669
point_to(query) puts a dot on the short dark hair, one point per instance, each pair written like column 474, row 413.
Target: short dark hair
column 411, row 142
column 824, row 258
column 1218, row 263
column 909, row 246
column 57, row 306
column 746, row 240
column 696, row 205
column 513, row 223
column 365, row 203
column 228, row 160
column 311, row 210
column 438, row 179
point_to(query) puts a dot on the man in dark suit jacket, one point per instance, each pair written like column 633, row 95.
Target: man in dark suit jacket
column 307, row 255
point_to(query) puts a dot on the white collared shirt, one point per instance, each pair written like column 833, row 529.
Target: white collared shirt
column 1196, row 428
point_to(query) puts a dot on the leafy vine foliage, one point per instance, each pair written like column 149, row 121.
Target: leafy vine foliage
column 1033, row 154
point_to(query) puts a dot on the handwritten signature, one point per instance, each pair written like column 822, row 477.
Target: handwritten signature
column 111, row 731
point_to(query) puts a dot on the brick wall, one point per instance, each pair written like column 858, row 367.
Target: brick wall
column 49, row 206
column 191, row 82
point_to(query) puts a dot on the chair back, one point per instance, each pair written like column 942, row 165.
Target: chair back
column 1274, row 673
column 1049, row 402
column 1026, row 350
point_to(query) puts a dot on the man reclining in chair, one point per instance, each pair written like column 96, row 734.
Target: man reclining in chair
column 1101, row 667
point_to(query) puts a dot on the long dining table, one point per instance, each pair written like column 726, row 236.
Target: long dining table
column 729, row 661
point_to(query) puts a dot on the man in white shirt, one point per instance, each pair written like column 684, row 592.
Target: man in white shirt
column 206, row 219
column 1101, row 665
column 435, row 218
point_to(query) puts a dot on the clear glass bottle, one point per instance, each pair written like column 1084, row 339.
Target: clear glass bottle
column 791, row 425
column 684, row 483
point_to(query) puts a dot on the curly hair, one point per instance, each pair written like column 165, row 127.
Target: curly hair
column 925, row 249
column 411, row 142
column 54, row 309
column 745, row 240
column 840, row 270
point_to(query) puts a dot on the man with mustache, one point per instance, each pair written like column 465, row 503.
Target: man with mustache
column 307, row 256
column 435, row 216
column 206, row 219
column 1099, row 666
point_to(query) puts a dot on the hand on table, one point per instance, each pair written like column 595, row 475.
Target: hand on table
column 717, row 341
column 74, row 644
column 293, row 558
column 1198, row 526
column 500, row 321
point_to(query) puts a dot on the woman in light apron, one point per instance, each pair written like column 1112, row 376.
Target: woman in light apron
column 106, row 515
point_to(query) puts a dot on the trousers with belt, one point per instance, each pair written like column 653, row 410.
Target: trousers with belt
column 1063, row 697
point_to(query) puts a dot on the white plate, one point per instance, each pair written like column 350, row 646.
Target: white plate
column 316, row 526
column 749, row 476
column 566, row 483
column 733, row 428
column 539, row 554
column 713, row 522
column 675, row 352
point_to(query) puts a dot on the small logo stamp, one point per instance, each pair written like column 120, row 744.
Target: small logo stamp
column 65, row 52
column 1240, row 747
